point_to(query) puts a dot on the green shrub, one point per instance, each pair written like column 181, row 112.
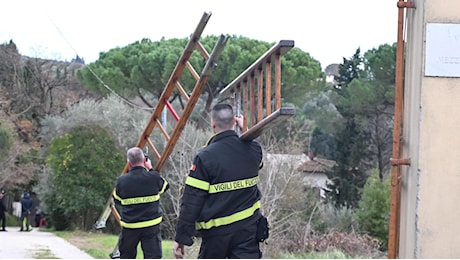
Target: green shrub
column 84, row 165
column 374, row 208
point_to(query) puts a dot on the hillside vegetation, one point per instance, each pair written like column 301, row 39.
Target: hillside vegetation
column 52, row 128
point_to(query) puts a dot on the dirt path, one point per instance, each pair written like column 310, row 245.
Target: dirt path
column 36, row 245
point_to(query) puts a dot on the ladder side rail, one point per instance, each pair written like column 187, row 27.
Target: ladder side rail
column 101, row 222
column 281, row 48
column 256, row 84
column 267, row 123
column 170, row 85
column 259, row 77
column 144, row 138
column 197, row 90
column 115, row 211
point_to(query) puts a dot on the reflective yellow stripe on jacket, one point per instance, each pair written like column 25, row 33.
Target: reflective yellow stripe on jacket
column 221, row 187
column 199, row 184
column 140, row 200
column 229, row 219
column 165, row 184
column 137, row 200
column 233, row 185
column 142, row 224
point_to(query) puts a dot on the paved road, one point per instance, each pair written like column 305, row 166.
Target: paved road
column 36, row 244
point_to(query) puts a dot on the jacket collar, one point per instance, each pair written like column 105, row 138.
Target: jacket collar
column 136, row 168
column 220, row 136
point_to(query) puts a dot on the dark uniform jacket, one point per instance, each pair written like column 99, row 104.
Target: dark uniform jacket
column 27, row 204
column 221, row 193
column 2, row 207
column 138, row 191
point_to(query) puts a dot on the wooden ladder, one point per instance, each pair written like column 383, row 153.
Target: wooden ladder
column 249, row 90
column 181, row 120
column 251, row 87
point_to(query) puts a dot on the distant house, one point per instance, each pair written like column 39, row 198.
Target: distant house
column 292, row 160
column 331, row 71
column 315, row 172
column 313, row 168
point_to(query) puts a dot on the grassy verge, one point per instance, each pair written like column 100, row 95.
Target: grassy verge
column 99, row 245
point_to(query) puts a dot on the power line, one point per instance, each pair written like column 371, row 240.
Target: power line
column 96, row 76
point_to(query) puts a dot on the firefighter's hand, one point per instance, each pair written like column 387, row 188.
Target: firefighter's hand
column 148, row 164
column 239, row 121
column 178, row 250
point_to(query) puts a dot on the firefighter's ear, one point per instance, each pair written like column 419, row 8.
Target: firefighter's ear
column 213, row 124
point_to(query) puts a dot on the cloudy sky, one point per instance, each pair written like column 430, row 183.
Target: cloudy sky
column 327, row 30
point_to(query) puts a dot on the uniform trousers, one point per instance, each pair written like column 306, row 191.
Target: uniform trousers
column 149, row 237
column 3, row 219
column 25, row 220
column 240, row 244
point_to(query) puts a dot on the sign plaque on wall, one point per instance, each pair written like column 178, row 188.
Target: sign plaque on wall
column 442, row 50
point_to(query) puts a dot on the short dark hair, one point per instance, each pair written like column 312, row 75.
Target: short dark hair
column 222, row 114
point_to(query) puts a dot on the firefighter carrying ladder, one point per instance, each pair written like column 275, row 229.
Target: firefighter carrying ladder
column 253, row 86
column 242, row 90
column 173, row 84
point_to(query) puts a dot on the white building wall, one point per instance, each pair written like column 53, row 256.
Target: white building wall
column 430, row 185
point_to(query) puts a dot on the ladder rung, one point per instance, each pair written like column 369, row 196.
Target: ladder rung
column 260, row 87
column 202, row 50
column 279, row 49
column 270, row 121
column 144, row 139
column 163, row 130
column 192, row 70
column 175, row 75
column 197, row 90
column 152, row 147
column 171, row 109
column 182, row 91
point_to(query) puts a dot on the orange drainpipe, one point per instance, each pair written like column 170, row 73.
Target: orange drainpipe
column 396, row 160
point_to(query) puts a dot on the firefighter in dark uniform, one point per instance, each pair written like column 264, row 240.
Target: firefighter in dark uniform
column 27, row 206
column 2, row 210
column 138, row 192
column 221, row 199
